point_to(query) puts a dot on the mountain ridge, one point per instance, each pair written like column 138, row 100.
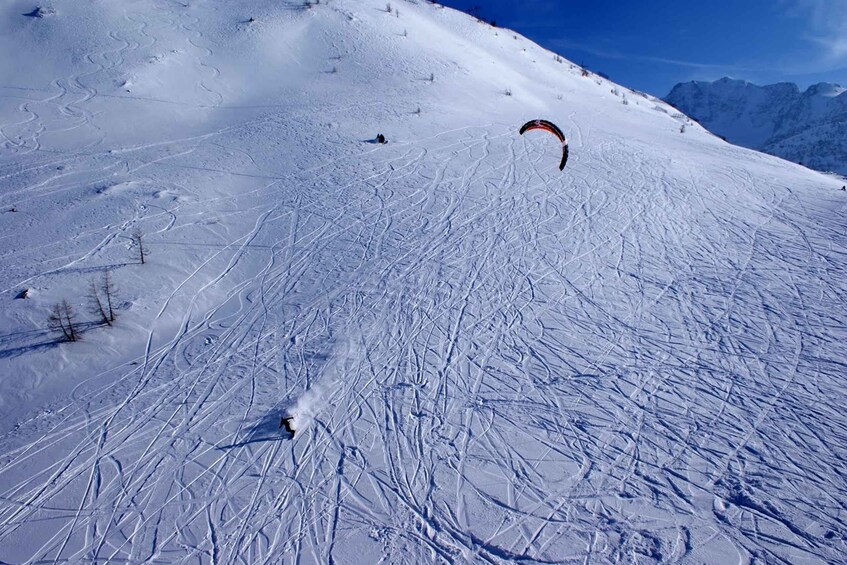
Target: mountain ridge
column 804, row 126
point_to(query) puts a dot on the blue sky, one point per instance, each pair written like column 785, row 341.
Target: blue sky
column 651, row 45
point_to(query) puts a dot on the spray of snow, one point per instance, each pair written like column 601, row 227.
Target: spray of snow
column 315, row 398
column 306, row 407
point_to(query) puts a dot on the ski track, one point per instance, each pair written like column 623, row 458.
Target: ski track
column 504, row 363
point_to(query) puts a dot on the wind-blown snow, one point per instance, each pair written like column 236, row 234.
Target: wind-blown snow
column 639, row 359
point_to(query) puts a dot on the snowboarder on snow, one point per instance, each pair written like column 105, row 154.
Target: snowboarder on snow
column 285, row 422
column 380, row 138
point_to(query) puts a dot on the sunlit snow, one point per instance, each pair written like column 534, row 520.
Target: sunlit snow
column 639, row 359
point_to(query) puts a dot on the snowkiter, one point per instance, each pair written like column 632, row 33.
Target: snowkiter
column 285, row 422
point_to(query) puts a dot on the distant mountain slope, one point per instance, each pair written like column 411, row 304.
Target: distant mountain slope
column 808, row 127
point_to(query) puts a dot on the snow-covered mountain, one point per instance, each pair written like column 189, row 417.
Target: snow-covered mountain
column 638, row 359
column 808, row 127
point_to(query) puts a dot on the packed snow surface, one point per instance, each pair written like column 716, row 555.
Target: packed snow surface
column 639, row 359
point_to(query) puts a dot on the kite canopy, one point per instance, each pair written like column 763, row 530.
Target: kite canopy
column 552, row 128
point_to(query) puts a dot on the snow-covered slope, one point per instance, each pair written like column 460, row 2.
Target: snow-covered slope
column 639, row 359
column 807, row 127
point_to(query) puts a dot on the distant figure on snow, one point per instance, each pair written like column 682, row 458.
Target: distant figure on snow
column 844, row 187
column 285, row 422
column 380, row 138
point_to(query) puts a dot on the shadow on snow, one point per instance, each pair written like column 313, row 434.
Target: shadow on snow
column 270, row 428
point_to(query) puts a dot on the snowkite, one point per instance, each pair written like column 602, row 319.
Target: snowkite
column 552, row 128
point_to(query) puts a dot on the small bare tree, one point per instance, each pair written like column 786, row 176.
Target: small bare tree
column 102, row 299
column 62, row 319
column 109, row 293
column 97, row 306
column 138, row 240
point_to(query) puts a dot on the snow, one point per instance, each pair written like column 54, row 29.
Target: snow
column 639, row 359
column 804, row 127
